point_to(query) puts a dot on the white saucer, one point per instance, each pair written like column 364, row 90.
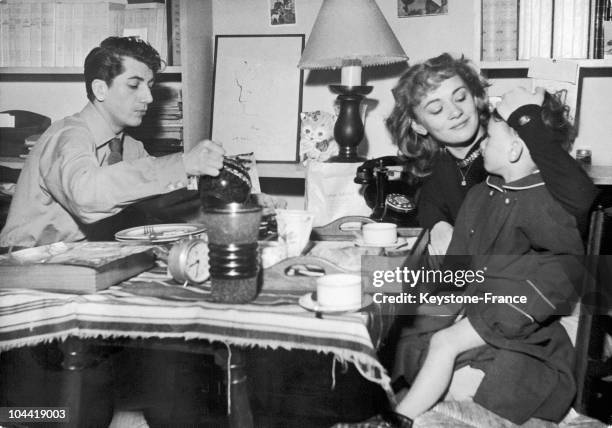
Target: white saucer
column 308, row 303
column 361, row 243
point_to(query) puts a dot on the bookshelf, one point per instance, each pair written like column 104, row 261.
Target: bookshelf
column 171, row 69
column 195, row 72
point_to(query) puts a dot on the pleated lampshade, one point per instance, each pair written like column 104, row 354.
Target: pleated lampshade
column 350, row 32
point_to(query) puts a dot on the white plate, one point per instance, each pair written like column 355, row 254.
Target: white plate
column 361, row 243
column 163, row 232
column 308, row 303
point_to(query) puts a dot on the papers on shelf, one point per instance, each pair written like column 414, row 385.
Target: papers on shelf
column 557, row 76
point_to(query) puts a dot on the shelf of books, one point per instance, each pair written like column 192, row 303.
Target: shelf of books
column 47, row 33
column 161, row 130
column 40, row 39
column 170, row 69
column 516, row 30
column 511, row 32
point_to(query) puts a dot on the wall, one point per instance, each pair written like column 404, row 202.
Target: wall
column 421, row 37
column 595, row 126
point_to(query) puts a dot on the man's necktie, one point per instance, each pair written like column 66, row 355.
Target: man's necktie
column 116, row 150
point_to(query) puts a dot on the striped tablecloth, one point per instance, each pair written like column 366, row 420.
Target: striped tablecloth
column 152, row 306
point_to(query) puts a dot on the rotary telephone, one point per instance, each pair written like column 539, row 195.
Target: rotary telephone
column 391, row 199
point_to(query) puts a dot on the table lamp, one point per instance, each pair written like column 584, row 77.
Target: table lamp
column 350, row 34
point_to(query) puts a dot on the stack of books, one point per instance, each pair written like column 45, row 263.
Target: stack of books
column 76, row 267
column 161, row 130
column 19, row 132
column 522, row 29
column 535, row 28
column 499, row 30
column 49, row 33
column 571, row 39
column 148, row 20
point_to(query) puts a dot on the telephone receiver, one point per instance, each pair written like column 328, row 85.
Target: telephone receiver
column 366, row 172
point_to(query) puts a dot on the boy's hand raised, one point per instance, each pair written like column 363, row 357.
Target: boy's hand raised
column 517, row 98
column 205, row 158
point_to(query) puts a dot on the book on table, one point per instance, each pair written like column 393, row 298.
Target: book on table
column 78, row 267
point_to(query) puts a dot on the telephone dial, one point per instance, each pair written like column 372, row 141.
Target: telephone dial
column 391, row 199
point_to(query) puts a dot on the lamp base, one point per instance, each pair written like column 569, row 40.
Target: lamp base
column 349, row 130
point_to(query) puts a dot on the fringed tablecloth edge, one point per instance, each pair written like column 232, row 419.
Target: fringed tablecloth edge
column 370, row 368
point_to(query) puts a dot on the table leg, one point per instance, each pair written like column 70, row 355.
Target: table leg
column 72, row 379
column 239, row 412
column 85, row 387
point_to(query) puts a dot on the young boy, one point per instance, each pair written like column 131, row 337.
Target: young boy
column 525, row 243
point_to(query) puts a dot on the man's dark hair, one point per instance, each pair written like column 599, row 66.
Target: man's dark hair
column 105, row 61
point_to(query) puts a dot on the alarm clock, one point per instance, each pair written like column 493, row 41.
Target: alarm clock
column 188, row 261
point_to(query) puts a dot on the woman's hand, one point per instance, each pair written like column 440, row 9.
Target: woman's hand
column 205, row 158
column 439, row 238
column 519, row 97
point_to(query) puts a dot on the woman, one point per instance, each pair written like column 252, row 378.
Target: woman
column 521, row 348
column 439, row 121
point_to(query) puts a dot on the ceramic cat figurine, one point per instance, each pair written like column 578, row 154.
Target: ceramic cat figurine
column 317, row 136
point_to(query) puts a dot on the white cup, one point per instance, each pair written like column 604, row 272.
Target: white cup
column 339, row 290
column 294, row 227
column 379, row 233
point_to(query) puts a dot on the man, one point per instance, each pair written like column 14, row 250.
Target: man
column 85, row 168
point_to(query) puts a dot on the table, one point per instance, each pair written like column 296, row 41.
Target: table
column 600, row 174
column 147, row 306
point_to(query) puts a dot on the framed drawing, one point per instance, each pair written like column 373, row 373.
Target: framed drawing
column 406, row 8
column 257, row 95
column 607, row 41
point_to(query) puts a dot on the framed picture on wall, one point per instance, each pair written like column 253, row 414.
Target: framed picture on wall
column 282, row 12
column 607, row 34
column 408, row 8
column 257, row 95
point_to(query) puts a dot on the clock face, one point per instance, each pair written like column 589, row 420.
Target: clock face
column 196, row 266
column 188, row 261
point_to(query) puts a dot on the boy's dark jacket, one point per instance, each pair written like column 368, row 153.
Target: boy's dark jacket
column 527, row 245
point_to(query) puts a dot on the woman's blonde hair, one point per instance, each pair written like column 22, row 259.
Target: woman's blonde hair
column 420, row 151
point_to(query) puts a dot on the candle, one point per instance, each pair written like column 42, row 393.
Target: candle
column 351, row 75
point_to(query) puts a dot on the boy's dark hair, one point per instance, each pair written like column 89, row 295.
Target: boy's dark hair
column 105, row 61
column 555, row 115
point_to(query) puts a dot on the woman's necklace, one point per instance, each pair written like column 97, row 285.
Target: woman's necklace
column 468, row 161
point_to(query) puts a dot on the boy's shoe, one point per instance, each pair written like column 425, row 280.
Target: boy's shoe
column 385, row 420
